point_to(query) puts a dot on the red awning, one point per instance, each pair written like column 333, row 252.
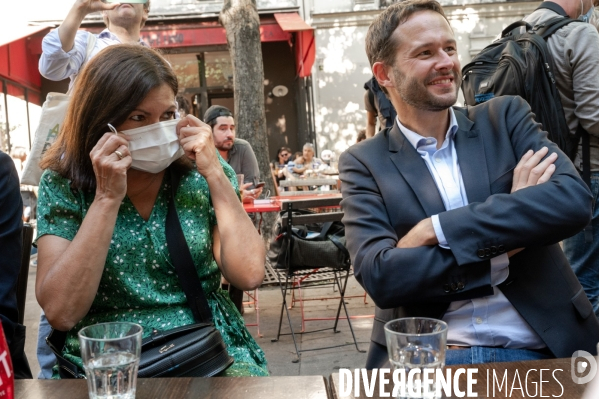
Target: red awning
column 292, row 22
column 204, row 34
column 12, row 33
column 305, row 49
column 20, row 47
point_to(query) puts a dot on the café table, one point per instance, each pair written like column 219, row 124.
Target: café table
column 310, row 181
column 312, row 387
column 556, row 377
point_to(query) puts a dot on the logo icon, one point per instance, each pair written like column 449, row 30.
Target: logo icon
column 583, row 367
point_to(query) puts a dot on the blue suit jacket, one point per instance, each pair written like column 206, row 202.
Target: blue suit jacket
column 387, row 189
column 11, row 226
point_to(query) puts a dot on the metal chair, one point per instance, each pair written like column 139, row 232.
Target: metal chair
column 252, row 300
column 24, row 270
column 295, row 278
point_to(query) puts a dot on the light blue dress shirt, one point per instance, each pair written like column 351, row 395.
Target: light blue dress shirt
column 486, row 321
column 56, row 64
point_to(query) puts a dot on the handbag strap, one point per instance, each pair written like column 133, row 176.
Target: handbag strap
column 182, row 260
column 186, row 272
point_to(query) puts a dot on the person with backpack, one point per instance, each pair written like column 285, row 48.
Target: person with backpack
column 377, row 105
column 575, row 51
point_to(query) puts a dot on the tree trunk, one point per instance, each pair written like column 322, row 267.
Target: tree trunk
column 242, row 23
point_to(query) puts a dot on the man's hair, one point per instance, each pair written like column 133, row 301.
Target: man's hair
column 380, row 45
column 146, row 6
column 183, row 104
column 310, row 146
column 283, row 149
column 361, row 135
column 108, row 89
column 214, row 112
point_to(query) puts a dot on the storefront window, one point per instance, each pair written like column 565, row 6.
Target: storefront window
column 186, row 68
column 219, row 70
column 35, row 113
column 18, row 115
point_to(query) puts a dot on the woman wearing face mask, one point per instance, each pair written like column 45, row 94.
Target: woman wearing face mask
column 103, row 205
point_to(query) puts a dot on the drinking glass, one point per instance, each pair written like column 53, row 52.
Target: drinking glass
column 417, row 343
column 240, row 180
column 110, row 354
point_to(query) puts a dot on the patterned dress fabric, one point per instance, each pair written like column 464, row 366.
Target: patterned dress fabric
column 139, row 283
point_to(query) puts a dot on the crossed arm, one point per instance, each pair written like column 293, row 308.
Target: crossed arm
column 381, row 209
column 531, row 170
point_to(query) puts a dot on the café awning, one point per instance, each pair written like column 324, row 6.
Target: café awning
column 14, row 32
column 20, row 48
column 305, row 49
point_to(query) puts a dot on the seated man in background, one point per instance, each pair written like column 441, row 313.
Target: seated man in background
column 307, row 163
column 239, row 154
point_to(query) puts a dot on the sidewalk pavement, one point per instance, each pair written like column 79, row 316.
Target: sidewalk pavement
column 280, row 355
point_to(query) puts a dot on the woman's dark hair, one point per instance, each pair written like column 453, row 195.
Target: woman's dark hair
column 281, row 150
column 108, row 89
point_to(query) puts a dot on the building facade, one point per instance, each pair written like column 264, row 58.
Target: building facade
column 341, row 67
column 314, row 71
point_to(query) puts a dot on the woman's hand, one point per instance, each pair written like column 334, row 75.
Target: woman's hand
column 196, row 140
column 111, row 159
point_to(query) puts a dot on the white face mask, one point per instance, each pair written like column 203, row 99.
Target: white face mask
column 154, row 147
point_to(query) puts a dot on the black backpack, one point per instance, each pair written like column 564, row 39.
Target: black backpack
column 520, row 63
column 379, row 101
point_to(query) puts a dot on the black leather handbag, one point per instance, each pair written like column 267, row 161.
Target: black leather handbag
column 308, row 246
column 195, row 350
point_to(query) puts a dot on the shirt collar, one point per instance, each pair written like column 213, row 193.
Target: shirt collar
column 232, row 151
column 416, row 140
column 106, row 34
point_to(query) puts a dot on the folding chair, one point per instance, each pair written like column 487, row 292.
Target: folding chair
column 252, row 300
column 295, row 277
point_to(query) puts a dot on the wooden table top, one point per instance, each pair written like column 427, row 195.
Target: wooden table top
column 312, row 387
column 525, row 375
column 310, row 181
column 308, row 195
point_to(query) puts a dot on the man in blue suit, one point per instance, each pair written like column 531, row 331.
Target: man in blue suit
column 456, row 213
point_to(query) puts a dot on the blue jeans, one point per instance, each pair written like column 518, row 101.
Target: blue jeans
column 45, row 356
column 584, row 256
column 481, row 354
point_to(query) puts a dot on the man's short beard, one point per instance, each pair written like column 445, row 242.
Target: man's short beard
column 414, row 94
column 224, row 147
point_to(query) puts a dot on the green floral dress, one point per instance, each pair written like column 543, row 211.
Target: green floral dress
column 139, row 283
